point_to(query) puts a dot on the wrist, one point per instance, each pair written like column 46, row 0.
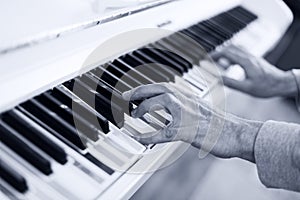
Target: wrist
column 245, row 139
column 237, row 138
column 289, row 87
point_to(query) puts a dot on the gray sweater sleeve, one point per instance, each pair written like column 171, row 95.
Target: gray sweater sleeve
column 277, row 155
column 296, row 73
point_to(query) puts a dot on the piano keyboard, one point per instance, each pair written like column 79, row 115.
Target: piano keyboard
column 77, row 135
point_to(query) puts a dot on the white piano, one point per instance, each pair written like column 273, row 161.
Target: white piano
column 60, row 138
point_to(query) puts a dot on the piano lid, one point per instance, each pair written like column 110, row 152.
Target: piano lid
column 32, row 21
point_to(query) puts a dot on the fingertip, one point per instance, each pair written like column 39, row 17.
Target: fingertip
column 142, row 139
column 215, row 55
column 136, row 137
column 230, row 82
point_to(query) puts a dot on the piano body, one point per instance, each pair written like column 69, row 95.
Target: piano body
column 43, row 52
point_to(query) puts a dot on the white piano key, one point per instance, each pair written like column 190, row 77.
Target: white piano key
column 38, row 188
column 137, row 125
column 202, row 75
column 74, row 183
column 113, row 154
column 189, row 85
column 193, row 82
column 81, row 163
column 129, row 144
column 3, row 196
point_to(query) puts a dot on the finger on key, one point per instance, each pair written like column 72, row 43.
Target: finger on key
column 146, row 91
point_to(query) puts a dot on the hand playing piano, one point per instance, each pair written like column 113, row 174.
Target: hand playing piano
column 193, row 119
column 182, row 105
column 262, row 78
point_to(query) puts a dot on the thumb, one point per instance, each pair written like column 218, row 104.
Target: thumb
column 153, row 137
column 235, row 84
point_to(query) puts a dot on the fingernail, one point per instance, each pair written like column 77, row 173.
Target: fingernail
column 126, row 95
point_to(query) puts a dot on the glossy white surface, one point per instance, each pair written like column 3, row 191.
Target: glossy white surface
column 23, row 21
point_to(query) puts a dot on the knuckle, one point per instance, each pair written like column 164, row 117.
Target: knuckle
column 165, row 85
column 142, row 107
column 167, row 98
column 135, row 92
column 168, row 133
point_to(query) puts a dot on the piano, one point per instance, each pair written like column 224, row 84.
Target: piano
column 65, row 131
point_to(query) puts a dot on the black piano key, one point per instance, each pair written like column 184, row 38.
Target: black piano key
column 75, row 120
column 90, row 115
column 100, row 88
column 191, row 52
column 205, row 45
column 227, row 23
column 145, row 68
column 133, row 72
column 142, row 73
column 214, row 28
column 183, row 47
column 123, row 75
column 186, row 43
column 111, row 79
column 217, row 27
column 13, row 178
column 239, row 18
column 9, row 137
column 109, row 110
column 211, row 43
column 155, row 67
column 95, row 161
column 207, row 36
column 159, row 68
column 33, row 135
column 53, row 122
column 243, row 14
column 107, row 92
column 229, row 19
column 214, row 33
column 101, row 81
column 101, row 91
column 246, row 12
column 239, row 22
column 162, row 59
column 225, row 27
column 173, row 56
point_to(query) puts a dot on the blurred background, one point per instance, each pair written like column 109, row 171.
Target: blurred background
column 217, row 179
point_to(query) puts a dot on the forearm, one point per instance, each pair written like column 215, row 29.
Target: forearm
column 236, row 139
column 244, row 133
